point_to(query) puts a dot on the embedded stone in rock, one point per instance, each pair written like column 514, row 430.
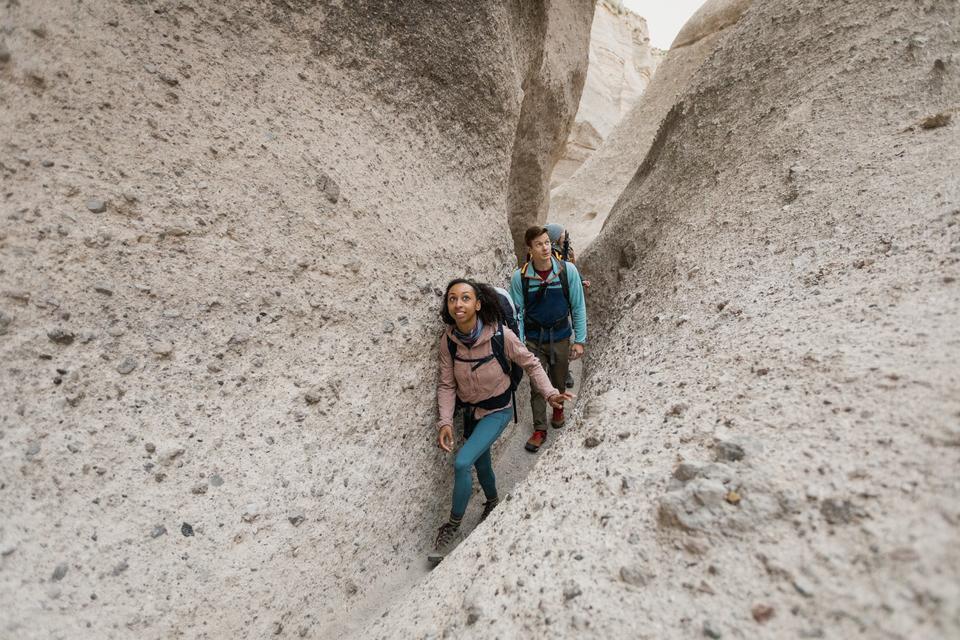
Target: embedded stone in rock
column 711, row 631
column 328, row 187
column 296, row 520
column 216, row 480
column 199, row 489
column 158, row 531
column 936, row 121
column 676, row 410
column 186, row 529
column 762, row 612
column 5, row 322
column 571, row 591
column 96, row 206
column 687, row 471
column 838, row 511
column 728, row 451
column 59, row 572
column 61, row 336
column 127, row 366
column 591, row 441
column 163, row 349
column 633, row 576
column 120, row 568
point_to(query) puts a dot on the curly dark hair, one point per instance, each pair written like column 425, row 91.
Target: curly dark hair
column 489, row 312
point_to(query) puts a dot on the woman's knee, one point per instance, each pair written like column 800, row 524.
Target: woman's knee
column 462, row 464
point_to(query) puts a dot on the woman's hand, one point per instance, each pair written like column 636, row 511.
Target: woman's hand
column 556, row 401
column 576, row 351
column 445, row 438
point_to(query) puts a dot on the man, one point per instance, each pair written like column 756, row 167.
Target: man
column 547, row 293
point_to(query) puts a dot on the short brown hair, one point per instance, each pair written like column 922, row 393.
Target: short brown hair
column 534, row 232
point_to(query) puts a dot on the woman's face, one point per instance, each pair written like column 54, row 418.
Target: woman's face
column 462, row 304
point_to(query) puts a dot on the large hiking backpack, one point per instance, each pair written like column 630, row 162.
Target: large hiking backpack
column 508, row 310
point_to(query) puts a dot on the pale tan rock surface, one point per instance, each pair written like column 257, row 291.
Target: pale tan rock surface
column 621, row 65
column 582, row 203
column 223, row 227
column 768, row 438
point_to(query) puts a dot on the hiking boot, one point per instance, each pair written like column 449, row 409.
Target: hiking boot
column 569, row 381
column 556, row 421
column 489, row 506
column 445, row 535
column 536, row 441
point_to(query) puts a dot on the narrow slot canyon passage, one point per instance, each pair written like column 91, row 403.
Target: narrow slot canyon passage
column 226, row 232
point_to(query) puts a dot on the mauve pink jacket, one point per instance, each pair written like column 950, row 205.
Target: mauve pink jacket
column 456, row 379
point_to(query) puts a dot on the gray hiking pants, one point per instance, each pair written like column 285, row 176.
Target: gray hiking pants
column 557, row 372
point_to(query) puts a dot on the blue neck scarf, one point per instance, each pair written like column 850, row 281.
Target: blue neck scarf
column 469, row 338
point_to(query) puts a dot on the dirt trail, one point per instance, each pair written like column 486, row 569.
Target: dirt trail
column 511, row 463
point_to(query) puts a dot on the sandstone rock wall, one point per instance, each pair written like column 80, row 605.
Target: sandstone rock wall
column 224, row 227
column 767, row 443
column 622, row 62
column 582, row 203
column 552, row 86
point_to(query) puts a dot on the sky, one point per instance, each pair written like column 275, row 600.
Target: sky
column 664, row 17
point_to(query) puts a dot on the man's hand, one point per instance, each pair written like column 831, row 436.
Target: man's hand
column 576, row 351
column 556, row 401
column 445, row 438
column 586, row 285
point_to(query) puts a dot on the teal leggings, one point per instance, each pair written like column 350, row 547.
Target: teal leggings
column 475, row 452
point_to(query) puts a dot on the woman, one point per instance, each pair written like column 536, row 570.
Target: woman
column 475, row 377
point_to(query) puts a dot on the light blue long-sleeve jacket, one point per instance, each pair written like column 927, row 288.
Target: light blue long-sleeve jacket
column 553, row 307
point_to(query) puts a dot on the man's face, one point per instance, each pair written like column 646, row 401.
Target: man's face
column 540, row 247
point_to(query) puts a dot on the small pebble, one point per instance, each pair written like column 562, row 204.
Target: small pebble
column 59, row 572
column 158, row 531
column 762, row 612
column 186, row 530
column 163, row 349
column 96, row 206
column 61, row 336
column 296, row 520
column 710, row 631
column 127, row 366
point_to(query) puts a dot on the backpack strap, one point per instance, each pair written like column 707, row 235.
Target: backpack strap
column 565, row 282
column 499, row 349
column 498, row 353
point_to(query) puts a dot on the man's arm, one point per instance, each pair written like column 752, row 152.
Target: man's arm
column 516, row 293
column 578, row 305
